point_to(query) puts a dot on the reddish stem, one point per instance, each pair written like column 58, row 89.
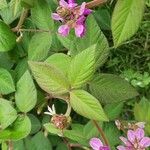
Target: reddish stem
column 101, row 133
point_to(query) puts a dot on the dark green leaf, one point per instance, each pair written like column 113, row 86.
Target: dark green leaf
column 109, row 88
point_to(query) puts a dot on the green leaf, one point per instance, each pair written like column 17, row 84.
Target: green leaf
column 93, row 36
column 109, row 88
column 35, row 124
column 15, row 4
column 126, row 19
column 90, row 130
column 112, row 134
column 18, row 130
column 142, row 113
column 26, row 95
column 27, row 3
column 40, row 14
column 87, row 105
column 82, row 67
column 7, row 114
column 19, row 145
column 6, row 82
column 49, row 78
column 74, row 135
column 7, row 38
column 11, row 12
column 52, row 129
column 40, row 142
column 39, row 46
column 113, row 110
column 60, row 60
column 3, row 4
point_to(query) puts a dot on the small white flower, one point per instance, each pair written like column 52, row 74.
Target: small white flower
column 51, row 111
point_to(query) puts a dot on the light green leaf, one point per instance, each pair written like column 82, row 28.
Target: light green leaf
column 40, row 14
column 7, row 38
column 82, row 67
column 3, row 4
column 7, row 114
column 86, row 105
column 142, row 113
column 49, row 78
column 126, row 19
column 15, row 4
column 6, row 82
column 109, row 88
column 93, row 36
column 26, row 95
column 52, row 129
column 39, row 46
column 60, row 60
column 18, row 130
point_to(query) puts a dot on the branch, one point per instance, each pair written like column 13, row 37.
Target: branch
column 101, row 133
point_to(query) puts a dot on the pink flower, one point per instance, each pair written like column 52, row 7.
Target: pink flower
column 96, row 144
column 135, row 140
column 71, row 17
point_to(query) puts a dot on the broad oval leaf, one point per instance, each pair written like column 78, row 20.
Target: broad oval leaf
column 26, row 94
column 86, row 105
column 93, row 36
column 18, row 130
column 40, row 15
column 126, row 19
column 6, row 82
column 49, row 78
column 39, row 46
column 60, row 60
column 40, row 142
column 108, row 88
column 82, row 67
column 7, row 114
column 7, row 38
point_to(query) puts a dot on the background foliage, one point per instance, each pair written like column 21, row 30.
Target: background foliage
column 38, row 67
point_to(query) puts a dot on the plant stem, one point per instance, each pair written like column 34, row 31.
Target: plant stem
column 10, row 145
column 101, row 133
column 33, row 30
column 68, row 110
column 21, row 20
column 93, row 3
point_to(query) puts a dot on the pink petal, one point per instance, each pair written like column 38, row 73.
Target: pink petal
column 82, row 8
column 125, row 141
column 72, row 5
column 145, row 142
column 139, row 133
column 104, row 148
column 55, row 16
column 87, row 11
column 121, row 148
column 64, row 30
column 79, row 30
column 95, row 143
column 63, row 4
column 131, row 136
column 71, row 1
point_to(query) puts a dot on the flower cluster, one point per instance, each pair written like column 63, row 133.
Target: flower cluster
column 72, row 17
column 135, row 140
